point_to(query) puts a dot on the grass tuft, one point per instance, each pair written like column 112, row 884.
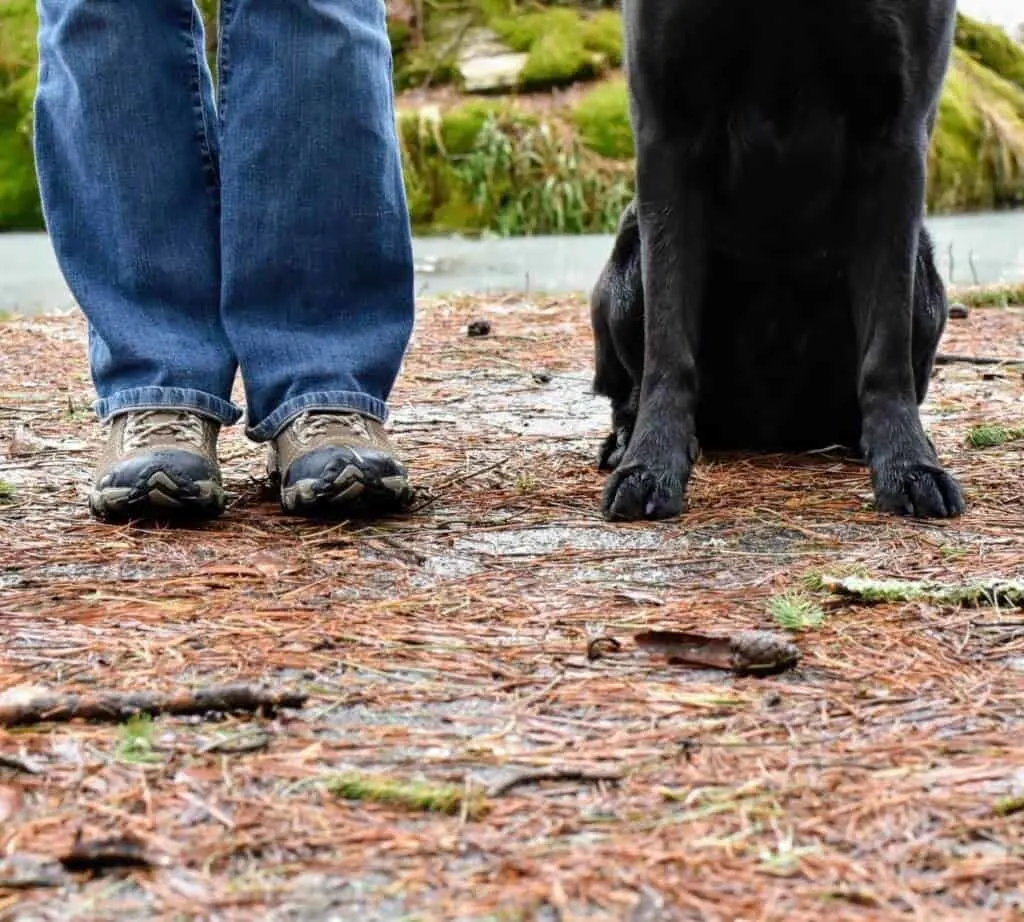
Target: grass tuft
column 136, row 745
column 794, row 610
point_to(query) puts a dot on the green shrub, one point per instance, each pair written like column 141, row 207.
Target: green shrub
column 461, row 125
column 19, row 196
column 399, row 34
column 517, row 176
column 602, row 119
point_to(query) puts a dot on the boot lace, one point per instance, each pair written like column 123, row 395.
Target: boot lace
column 313, row 425
column 145, row 426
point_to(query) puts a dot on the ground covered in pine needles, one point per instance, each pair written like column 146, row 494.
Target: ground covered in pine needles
column 483, row 737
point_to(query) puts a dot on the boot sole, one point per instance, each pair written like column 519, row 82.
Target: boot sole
column 352, row 491
column 159, row 498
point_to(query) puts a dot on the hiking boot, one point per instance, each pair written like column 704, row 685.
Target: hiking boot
column 159, row 464
column 336, row 463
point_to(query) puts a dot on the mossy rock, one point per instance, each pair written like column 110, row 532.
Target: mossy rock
column 559, row 59
column 992, row 47
column 522, row 32
column 977, row 154
column 563, row 46
column 601, row 117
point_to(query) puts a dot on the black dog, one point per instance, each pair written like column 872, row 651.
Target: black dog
column 772, row 286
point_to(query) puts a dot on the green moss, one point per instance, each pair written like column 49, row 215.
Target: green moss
column 522, row 32
column 994, row 592
column 558, row 59
column 977, row 154
column 460, row 125
column 952, row 174
column 410, row 795
column 434, row 64
column 991, row 47
column 602, row 119
column 563, row 46
column 399, row 34
column 989, row 436
column 602, row 32
column 19, row 196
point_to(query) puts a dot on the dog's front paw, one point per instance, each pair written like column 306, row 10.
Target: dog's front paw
column 918, row 489
column 639, row 491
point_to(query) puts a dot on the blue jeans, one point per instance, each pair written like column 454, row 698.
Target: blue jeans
column 265, row 229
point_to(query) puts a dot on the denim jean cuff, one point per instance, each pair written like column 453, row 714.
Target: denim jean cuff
column 160, row 398
column 339, row 401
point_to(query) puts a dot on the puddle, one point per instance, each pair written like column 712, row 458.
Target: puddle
column 535, row 542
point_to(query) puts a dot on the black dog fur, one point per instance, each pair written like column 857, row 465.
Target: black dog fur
column 772, row 286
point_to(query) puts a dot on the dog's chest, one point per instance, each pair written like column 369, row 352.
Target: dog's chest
column 716, row 69
column 778, row 106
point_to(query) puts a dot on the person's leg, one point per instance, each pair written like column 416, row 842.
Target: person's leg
column 126, row 154
column 317, row 272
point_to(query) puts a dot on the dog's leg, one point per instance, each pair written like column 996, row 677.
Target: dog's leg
column 623, row 423
column 931, row 310
column 617, row 319
column 611, row 378
column 651, row 478
column 905, row 471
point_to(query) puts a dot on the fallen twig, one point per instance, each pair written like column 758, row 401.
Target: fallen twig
column 949, row 358
column 533, row 775
column 22, row 707
column 16, row 764
column 432, row 495
column 245, row 741
column 994, row 592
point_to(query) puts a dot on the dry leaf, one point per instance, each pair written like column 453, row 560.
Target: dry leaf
column 103, row 854
column 748, row 652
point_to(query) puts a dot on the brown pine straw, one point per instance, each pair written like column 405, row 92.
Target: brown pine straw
column 446, row 652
